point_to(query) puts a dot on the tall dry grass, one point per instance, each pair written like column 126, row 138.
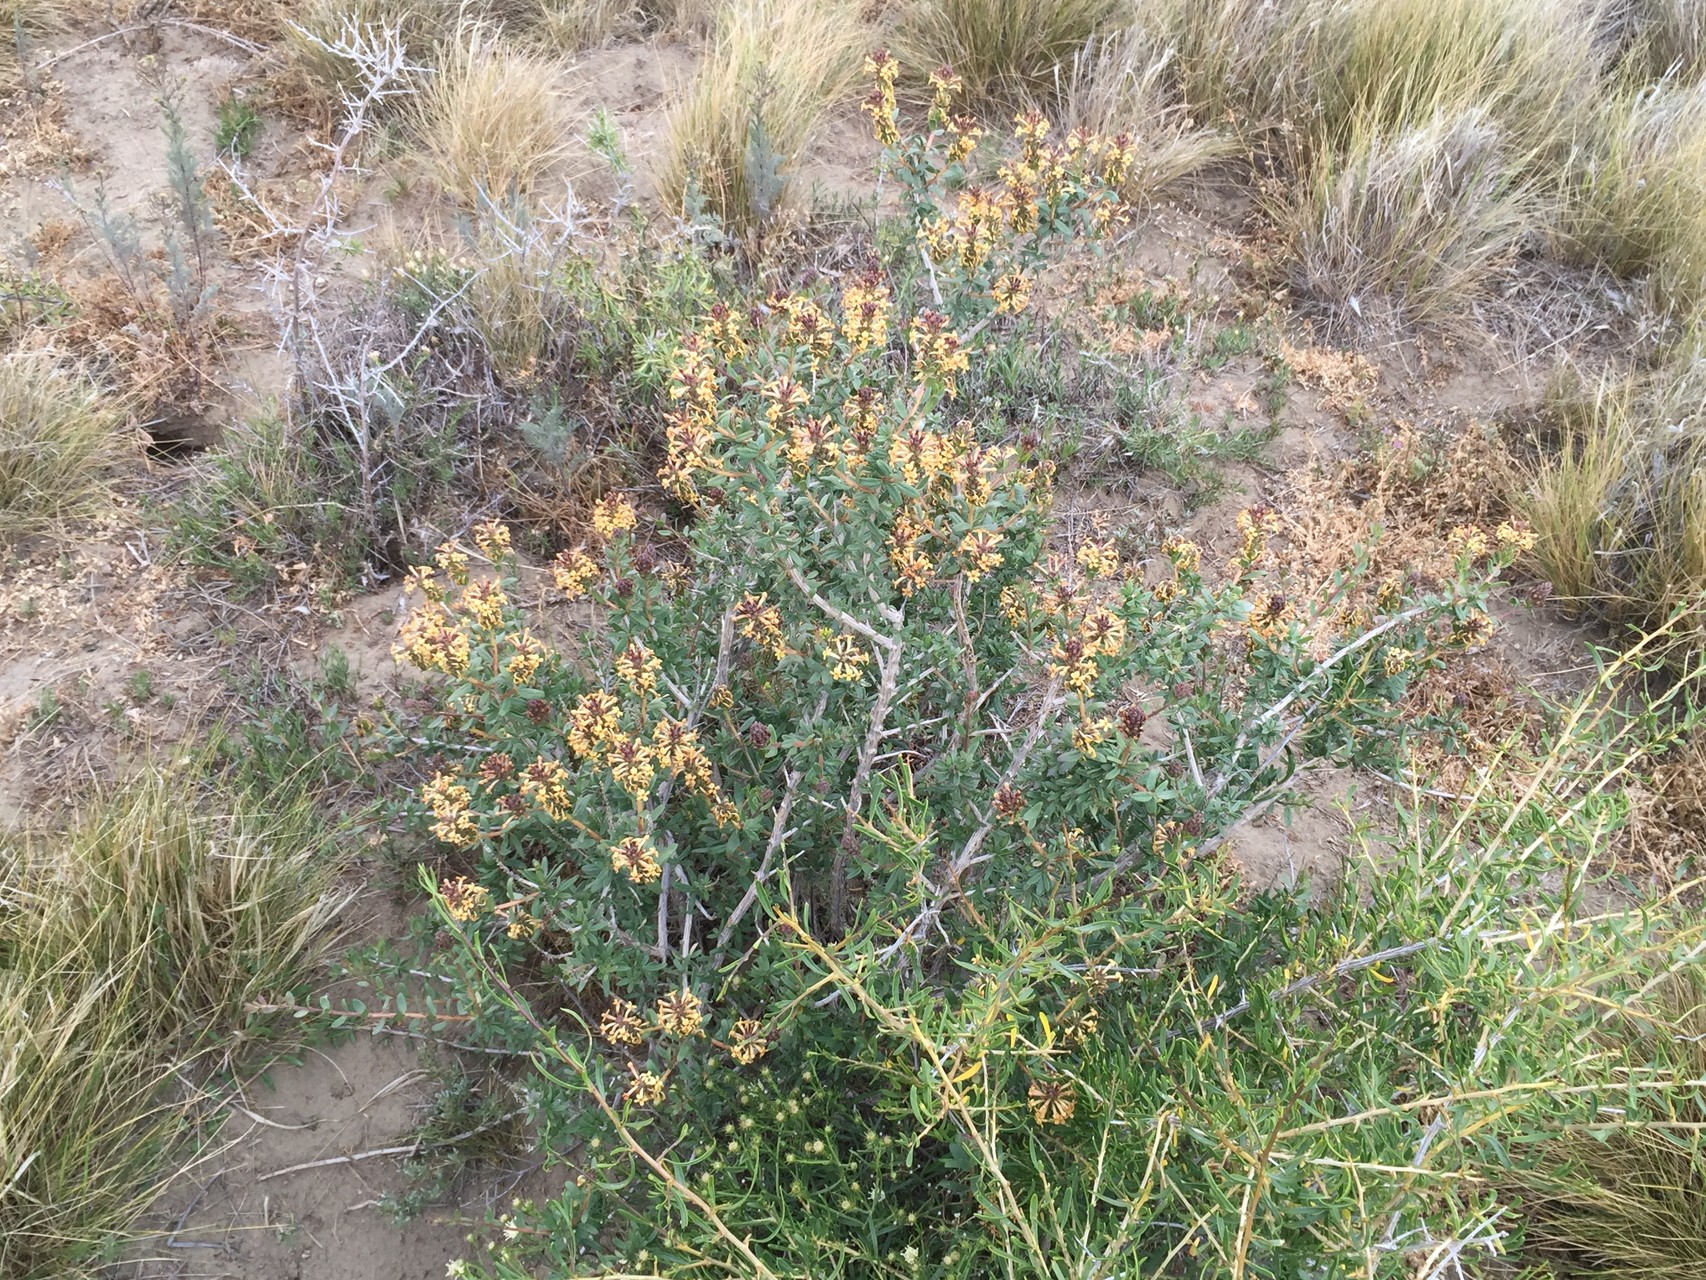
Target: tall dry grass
column 743, row 123
column 1617, row 499
column 128, row 951
column 1407, row 226
column 1636, row 199
column 1628, row 1202
column 1117, row 83
column 58, row 435
column 567, row 26
column 488, row 117
column 1003, row 50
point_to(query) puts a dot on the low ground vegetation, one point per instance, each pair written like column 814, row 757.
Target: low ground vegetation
column 822, row 831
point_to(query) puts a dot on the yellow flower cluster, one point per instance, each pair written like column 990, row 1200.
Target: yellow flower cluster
column 680, row 1014
column 492, row 537
column 846, row 657
column 613, row 514
column 638, row 667
column 595, row 722
column 1098, row 559
column 463, row 899
column 865, row 306
column 546, row 783
column 430, row 640
column 1255, row 525
column 1051, row 1101
column 1074, row 665
column 807, row 326
column 936, row 350
column 631, row 765
column 1517, row 536
column 1185, row 554
column 484, row 602
column 761, row 622
column 1270, row 616
column 449, row 801
column 723, row 328
column 423, row 578
column 621, row 1023
column 529, row 657
column 968, row 233
column 978, row 554
column 748, row 1041
column 572, row 570
column 911, row 567
column 1012, row 293
column 814, row 441
column 452, row 562
column 880, row 106
column 689, row 425
column 636, row 859
column 647, row 1090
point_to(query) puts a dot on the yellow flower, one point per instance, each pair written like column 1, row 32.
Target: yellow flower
column 594, row 722
column 636, row 859
column 1015, row 608
column 613, row 514
column 492, row 538
column 1074, row 664
column 1103, row 632
column 449, row 801
column 523, row 926
column 1051, row 1101
column 631, row 766
column 452, row 563
column 761, row 622
column 680, row 1014
column 846, row 658
column 463, row 899
column 546, row 783
column 484, row 602
column 671, row 741
column 1518, row 536
column 1185, row 554
column 638, row 667
column 529, row 655
column 1098, row 559
column 572, row 570
column 647, row 1089
column 420, row 578
column 1012, row 293
column 725, row 814
column 621, row 1023
column 432, row 642
column 1090, row 735
column 722, row 697
column 748, row 1041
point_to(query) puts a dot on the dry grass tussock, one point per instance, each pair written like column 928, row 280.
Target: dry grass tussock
column 1004, row 50
column 36, row 17
column 1117, row 83
column 132, row 945
column 773, row 68
column 58, row 434
column 1411, row 224
column 1629, row 1203
column 1617, row 497
column 566, row 26
column 488, row 117
column 1637, row 197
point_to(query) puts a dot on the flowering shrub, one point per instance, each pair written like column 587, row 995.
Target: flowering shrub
column 833, row 873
